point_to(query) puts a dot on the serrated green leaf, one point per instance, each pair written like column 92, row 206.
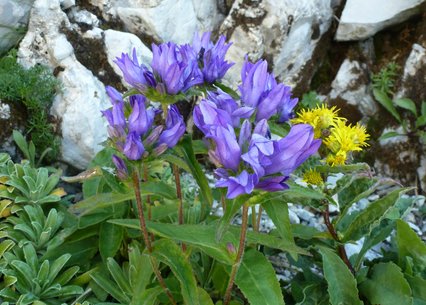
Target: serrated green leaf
column 278, row 212
column 104, row 200
column 342, row 286
column 387, row 286
column 369, row 218
column 406, row 103
column 418, row 287
column 110, row 239
column 170, row 254
column 257, row 280
column 410, row 244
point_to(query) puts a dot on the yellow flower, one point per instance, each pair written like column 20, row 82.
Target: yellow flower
column 337, row 159
column 312, row 177
column 346, row 138
column 319, row 118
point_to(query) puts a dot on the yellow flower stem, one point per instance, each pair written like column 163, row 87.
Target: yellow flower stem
column 239, row 257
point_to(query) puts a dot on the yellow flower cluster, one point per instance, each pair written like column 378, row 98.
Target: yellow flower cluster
column 338, row 137
column 313, row 177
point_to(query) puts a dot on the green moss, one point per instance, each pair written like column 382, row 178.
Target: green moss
column 35, row 89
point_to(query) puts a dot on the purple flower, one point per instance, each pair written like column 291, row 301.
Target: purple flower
column 273, row 184
column 227, row 150
column 260, row 90
column 241, row 184
column 122, row 172
column 175, row 128
column 176, row 67
column 286, row 109
column 292, row 150
column 211, row 56
column 207, row 117
column 133, row 148
column 140, row 120
column 138, row 76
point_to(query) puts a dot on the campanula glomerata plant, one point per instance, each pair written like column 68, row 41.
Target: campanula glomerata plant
column 157, row 223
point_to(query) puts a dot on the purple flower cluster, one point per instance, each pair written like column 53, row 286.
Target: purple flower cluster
column 261, row 92
column 246, row 155
column 176, row 68
column 137, row 135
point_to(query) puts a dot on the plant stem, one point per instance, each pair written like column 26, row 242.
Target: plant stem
column 239, row 257
column 253, row 218
column 148, row 199
column 259, row 218
column 179, row 196
column 340, row 248
column 136, row 186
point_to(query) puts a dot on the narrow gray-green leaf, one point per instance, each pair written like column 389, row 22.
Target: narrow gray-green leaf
column 342, row 286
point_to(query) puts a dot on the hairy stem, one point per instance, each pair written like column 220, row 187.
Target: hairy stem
column 253, row 218
column 239, row 257
column 179, row 196
column 340, row 248
column 145, row 234
column 259, row 218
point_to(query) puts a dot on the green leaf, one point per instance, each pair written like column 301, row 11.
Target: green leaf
column 369, row 218
column 390, row 134
column 106, row 284
column 148, row 297
column 342, row 286
column 406, row 103
column 118, row 275
column 6, row 245
column 139, row 275
column 410, row 244
column 386, row 102
column 101, row 201
column 277, row 210
column 257, row 280
column 387, row 286
column 110, row 239
column 421, row 121
column 204, row 297
column 170, row 254
column 418, row 287
column 186, row 148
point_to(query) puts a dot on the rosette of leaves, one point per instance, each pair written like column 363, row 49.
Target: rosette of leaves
column 29, row 280
column 31, row 225
column 22, row 184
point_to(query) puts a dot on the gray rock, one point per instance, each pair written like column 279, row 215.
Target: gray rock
column 117, row 43
column 351, row 86
column 286, row 32
column 164, row 20
column 14, row 15
column 83, row 96
column 363, row 18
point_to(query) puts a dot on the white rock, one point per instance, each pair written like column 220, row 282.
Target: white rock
column 351, row 85
column 287, row 31
column 117, row 43
column 14, row 16
column 83, row 16
column 83, row 96
column 66, row 4
column 363, row 18
column 293, row 217
column 415, row 61
column 304, row 214
column 166, row 20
